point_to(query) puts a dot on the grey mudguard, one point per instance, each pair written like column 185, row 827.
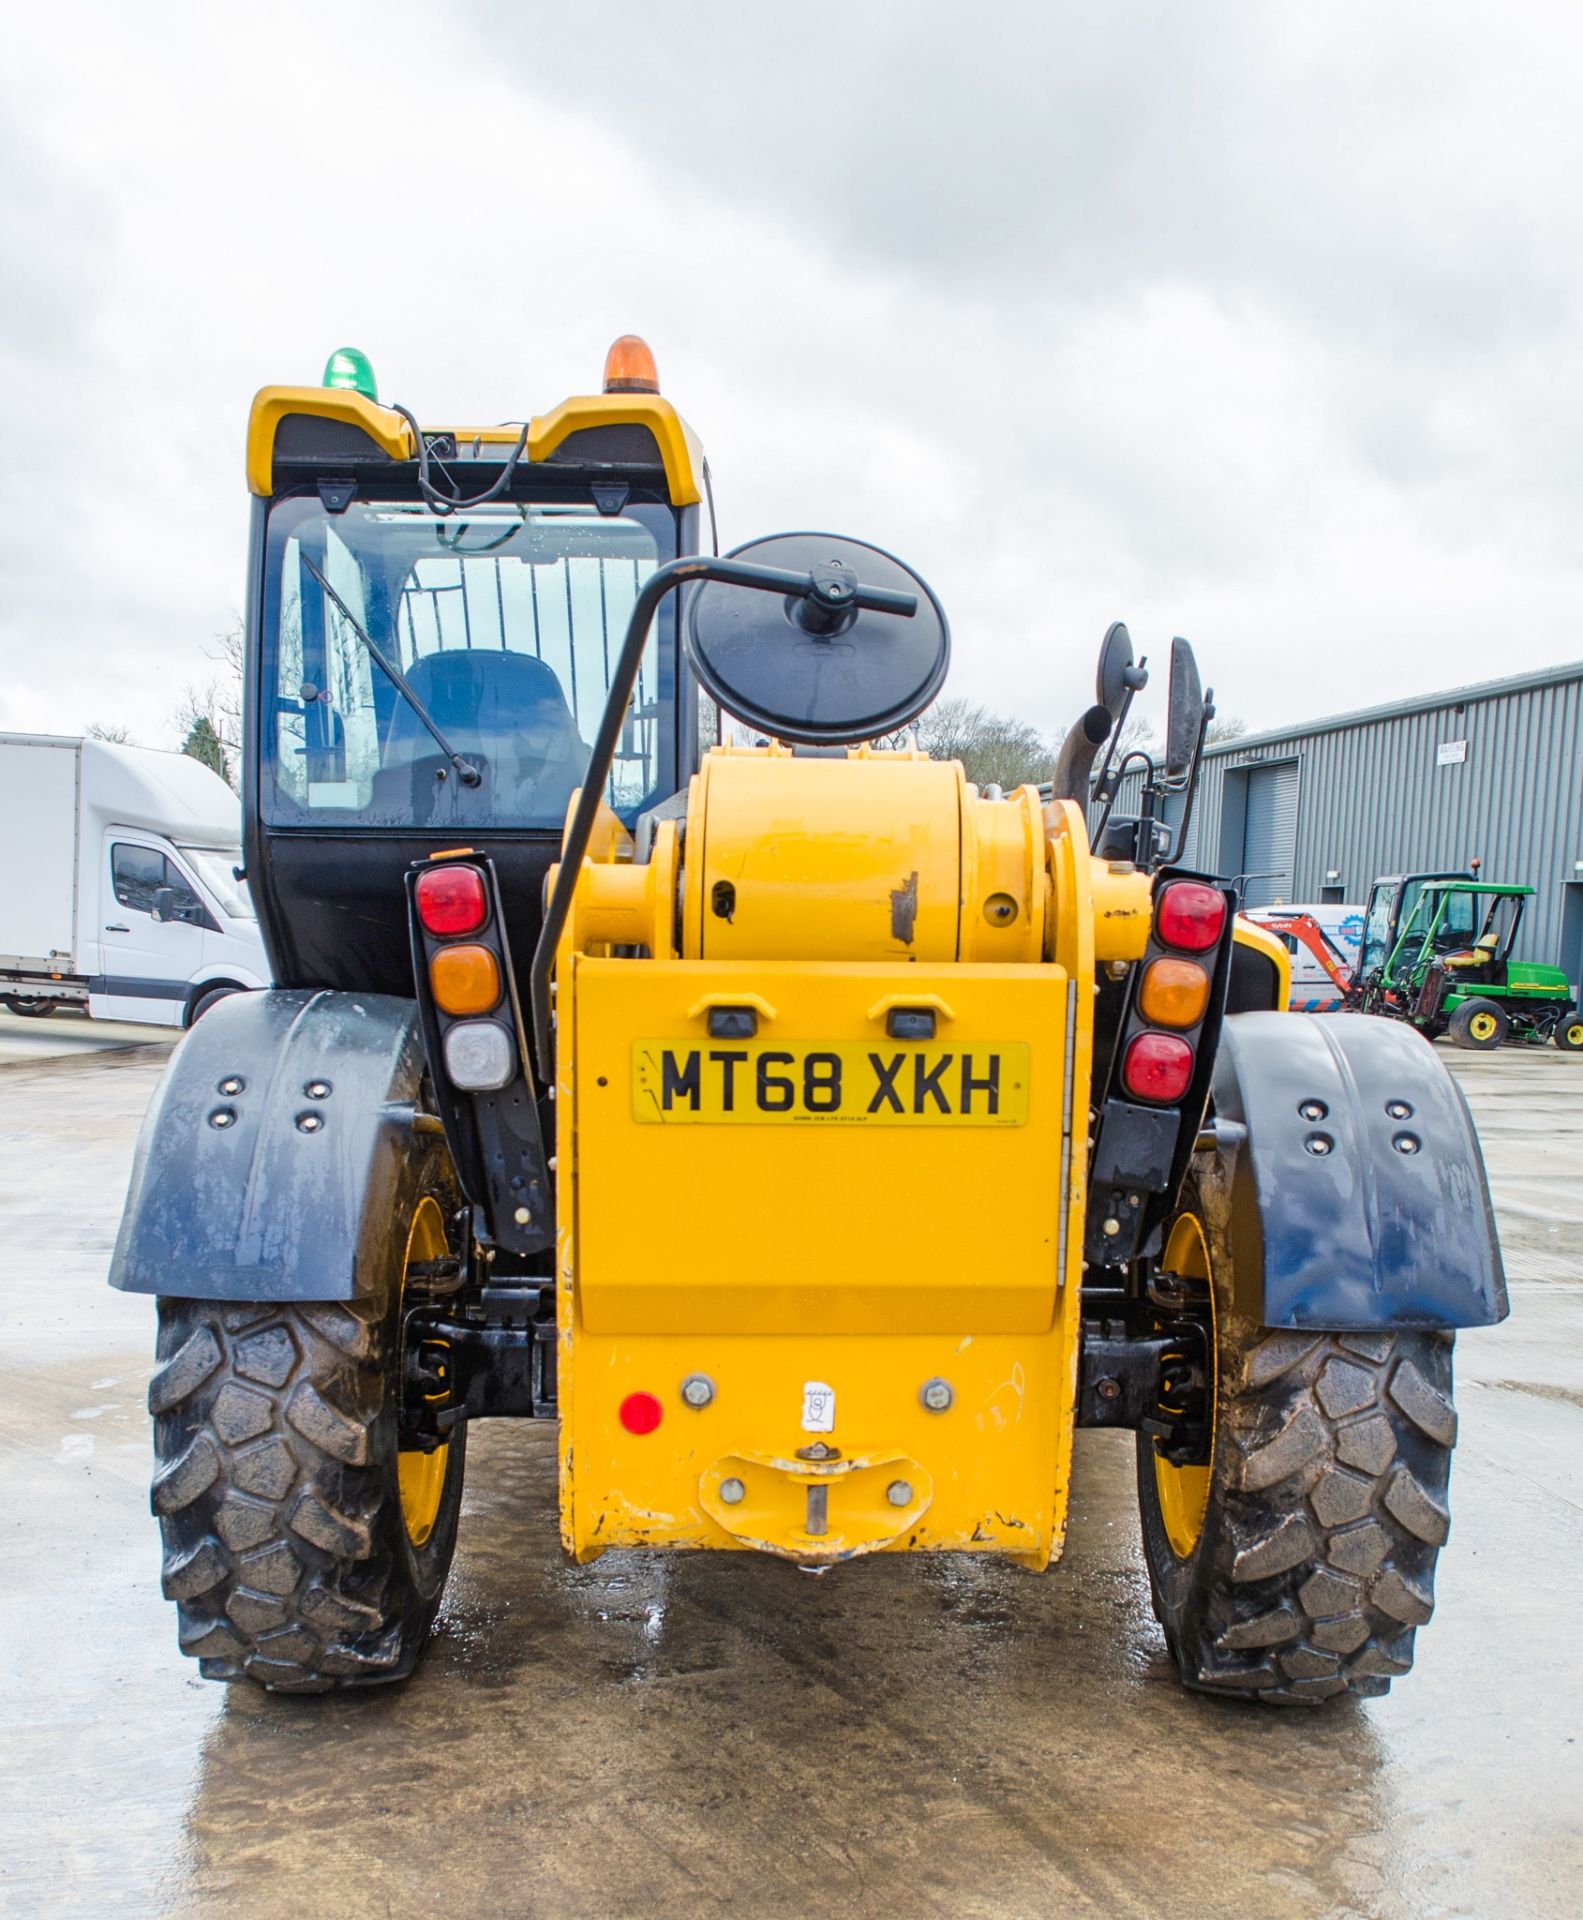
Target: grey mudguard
column 1373, row 1214
column 265, row 1205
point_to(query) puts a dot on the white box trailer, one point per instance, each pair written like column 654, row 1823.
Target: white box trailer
column 118, row 887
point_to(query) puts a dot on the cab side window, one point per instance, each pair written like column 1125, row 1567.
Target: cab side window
column 138, row 871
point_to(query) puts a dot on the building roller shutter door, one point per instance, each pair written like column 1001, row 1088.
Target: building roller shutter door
column 1269, row 844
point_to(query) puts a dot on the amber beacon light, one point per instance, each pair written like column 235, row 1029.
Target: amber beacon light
column 630, row 368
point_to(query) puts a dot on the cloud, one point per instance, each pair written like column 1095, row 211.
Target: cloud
column 1254, row 324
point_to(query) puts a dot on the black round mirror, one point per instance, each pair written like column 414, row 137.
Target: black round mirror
column 1185, row 714
column 812, row 674
column 1115, row 676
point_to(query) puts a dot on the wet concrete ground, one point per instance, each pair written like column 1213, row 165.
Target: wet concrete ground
column 699, row 1735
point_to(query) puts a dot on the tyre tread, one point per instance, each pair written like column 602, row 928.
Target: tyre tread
column 1332, row 1508
column 269, row 1495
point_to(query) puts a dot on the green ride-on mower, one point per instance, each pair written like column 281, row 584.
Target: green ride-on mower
column 1437, row 952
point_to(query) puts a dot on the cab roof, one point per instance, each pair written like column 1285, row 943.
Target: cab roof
column 335, row 430
column 1473, row 886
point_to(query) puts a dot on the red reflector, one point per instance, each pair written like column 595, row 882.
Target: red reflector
column 452, row 899
column 1190, row 916
column 1158, row 1066
column 640, row 1413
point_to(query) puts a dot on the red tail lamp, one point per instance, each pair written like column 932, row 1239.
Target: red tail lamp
column 1157, row 1067
column 1190, row 916
column 640, row 1413
column 452, row 900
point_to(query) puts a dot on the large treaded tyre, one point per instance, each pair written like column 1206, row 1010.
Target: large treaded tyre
column 286, row 1547
column 1326, row 1507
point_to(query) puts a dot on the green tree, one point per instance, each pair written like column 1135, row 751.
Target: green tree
column 203, row 743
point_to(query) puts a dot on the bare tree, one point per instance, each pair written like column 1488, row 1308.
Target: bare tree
column 112, row 736
column 1229, row 726
column 995, row 750
column 210, row 710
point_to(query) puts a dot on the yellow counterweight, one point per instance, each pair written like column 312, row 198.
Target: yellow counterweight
column 821, row 1144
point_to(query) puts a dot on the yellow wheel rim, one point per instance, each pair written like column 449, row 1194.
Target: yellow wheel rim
column 1575, row 1034
column 1483, row 1026
column 1183, row 1492
column 420, row 1475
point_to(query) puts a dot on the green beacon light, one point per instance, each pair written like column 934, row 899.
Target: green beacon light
column 350, row 368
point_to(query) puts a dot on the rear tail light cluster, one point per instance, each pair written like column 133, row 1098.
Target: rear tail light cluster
column 1157, row 1061
column 466, row 980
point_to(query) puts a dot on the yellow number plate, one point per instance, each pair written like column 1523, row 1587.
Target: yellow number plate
column 855, row 1083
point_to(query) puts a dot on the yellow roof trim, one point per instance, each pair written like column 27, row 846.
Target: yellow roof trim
column 389, row 432
column 680, row 452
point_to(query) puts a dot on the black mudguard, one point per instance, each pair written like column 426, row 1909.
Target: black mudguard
column 1365, row 1215
column 256, row 1191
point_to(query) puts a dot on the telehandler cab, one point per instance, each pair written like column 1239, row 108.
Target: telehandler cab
column 819, row 1139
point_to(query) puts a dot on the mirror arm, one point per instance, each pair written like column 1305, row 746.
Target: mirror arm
column 1105, row 785
column 1190, row 785
column 1132, row 753
column 601, row 756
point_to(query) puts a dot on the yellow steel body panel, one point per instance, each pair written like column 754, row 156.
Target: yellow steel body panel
column 861, row 863
column 819, row 1226
column 680, row 452
column 990, row 1473
column 818, row 1274
column 1248, row 933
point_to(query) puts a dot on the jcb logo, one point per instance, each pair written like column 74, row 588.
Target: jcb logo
column 984, row 1085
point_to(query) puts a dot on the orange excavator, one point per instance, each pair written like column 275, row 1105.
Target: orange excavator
column 1303, row 927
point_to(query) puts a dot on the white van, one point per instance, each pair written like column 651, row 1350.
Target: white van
column 1313, row 991
column 118, row 883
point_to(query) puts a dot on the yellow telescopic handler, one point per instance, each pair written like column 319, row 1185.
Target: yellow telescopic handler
column 819, row 1139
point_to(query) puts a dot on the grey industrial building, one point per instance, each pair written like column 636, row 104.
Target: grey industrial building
column 1492, row 772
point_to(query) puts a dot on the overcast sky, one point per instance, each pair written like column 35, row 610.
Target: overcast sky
column 1255, row 323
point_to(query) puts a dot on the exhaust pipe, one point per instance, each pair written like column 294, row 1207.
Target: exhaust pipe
column 1079, row 750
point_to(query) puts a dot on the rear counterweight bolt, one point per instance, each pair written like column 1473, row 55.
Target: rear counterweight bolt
column 698, row 1390
column 309, row 1122
column 899, row 1494
column 318, row 1089
column 732, row 1491
column 936, row 1395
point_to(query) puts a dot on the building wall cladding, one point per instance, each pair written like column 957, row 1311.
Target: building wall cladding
column 1373, row 797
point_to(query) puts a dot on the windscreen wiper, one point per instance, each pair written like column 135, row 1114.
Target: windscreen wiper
column 466, row 772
